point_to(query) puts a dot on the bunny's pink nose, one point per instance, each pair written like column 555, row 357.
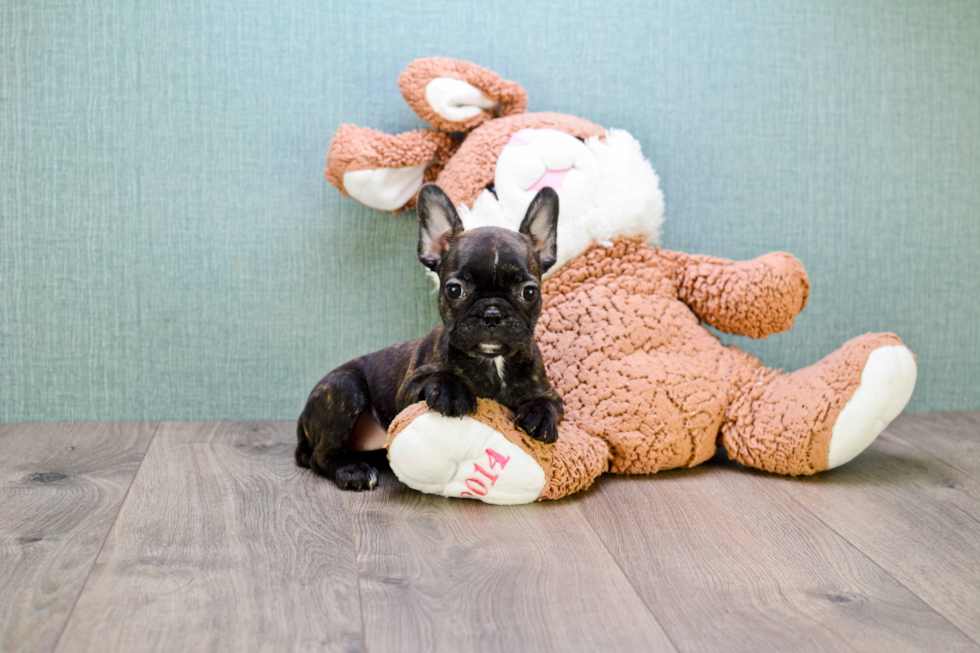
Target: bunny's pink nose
column 552, row 178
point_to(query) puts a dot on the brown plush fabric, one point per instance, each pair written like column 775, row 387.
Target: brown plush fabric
column 782, row 422
column 403, row 419
column 509, row 96
column 472, row 167
column 636, row 368
column 748, row 298
column 570, row 465
column 361, row 148
column 646, row 387
column 463, row 168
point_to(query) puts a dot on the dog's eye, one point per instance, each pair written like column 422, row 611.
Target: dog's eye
column 454, row 290
column 529, row 293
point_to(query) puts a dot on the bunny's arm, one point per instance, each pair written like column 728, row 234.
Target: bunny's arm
column 754, row 298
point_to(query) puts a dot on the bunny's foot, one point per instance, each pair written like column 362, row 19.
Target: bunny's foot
column 486, row 457
column 824, row 415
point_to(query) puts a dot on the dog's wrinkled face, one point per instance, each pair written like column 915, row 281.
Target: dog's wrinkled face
column 489, row 296
column 489, row 278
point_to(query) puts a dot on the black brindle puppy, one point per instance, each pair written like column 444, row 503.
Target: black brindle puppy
column 489, row 300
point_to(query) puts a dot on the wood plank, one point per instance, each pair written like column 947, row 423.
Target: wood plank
column 727, row 561
column 953, row 438
column 455, row 575
column 61, row 486
column 223, row 545
column 913, row 515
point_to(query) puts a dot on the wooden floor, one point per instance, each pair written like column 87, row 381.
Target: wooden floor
column 204, row 536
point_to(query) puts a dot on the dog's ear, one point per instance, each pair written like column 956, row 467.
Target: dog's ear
column 541, row 226
column 439, row 225
column 457, row 96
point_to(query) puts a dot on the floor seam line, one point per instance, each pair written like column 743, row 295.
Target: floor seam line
column 628, row 580
column 95, row 560
column 878, row 566
column 357, row 570
column 930, row 454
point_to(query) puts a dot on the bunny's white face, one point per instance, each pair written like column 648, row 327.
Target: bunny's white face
column 535, row 158
column 606, row 188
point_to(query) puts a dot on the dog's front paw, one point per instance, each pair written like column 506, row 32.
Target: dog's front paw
column 447, row 396
column 539, row 419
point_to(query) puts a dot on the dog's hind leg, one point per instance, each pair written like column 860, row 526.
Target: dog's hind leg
column 303, row 447
column 324, row 430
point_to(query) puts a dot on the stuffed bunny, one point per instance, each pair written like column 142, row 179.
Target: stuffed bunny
column 646, row 386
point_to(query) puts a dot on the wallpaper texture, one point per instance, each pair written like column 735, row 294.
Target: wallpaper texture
column 169, row 248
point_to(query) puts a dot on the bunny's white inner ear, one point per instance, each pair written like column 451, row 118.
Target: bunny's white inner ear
column 385, row 189
column 455, row 100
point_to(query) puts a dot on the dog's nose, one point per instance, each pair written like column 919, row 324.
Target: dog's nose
column 492, row 316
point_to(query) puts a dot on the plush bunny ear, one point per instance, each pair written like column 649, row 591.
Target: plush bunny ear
column 383, row 171
column 541, row 224
column 457, row 96
column 439, row 225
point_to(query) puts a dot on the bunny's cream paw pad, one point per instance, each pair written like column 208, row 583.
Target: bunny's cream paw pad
column 463, row 457
column 486, row 457
column 887, row 381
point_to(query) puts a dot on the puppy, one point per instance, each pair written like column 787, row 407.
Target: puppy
column 489, row 300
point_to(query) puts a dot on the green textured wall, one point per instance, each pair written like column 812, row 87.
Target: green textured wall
column 169, row 248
